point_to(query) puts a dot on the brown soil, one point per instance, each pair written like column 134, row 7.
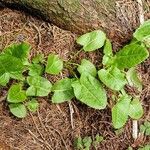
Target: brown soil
column 50, row 127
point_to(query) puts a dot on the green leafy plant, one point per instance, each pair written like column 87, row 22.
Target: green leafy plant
column 89, row 85
column 29, row 80
column 87, row 142
column 118, row 70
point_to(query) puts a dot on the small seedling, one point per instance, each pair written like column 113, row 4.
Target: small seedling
column 145, row 128
column 86, row 143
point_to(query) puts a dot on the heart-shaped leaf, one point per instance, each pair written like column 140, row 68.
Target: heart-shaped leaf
column 92, row 41
column 16, row 94
column 18, row 110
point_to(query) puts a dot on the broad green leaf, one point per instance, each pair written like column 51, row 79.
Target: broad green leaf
column 4, row 79
column 131, row 55
column 38, row 59
column 16, row 94
column 32, row 105
column 89, row 91
column 112, row 78
column 20, row 51
column 136, row 109
column 63, row 91
column 133, row 79
column 54, row 64
column 18, row 110
column 92, row 40
column 87, row 66
column 36, row 70
column 39, row 86
column 143, row 32
column 10, row 64
column 120, row 112
column 108, row 48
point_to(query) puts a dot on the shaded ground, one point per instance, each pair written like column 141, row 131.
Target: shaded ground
column 50, row 128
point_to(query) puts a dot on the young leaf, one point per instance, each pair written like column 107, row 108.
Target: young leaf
column 98, row 140
column 39, row 86
column 4, row 79
column 133, row 79
column 143, row 32
column 120, row 112
column 10, row 64
column 16, row 94
column 33, row 105
column 87, row 141
column 38, row 59
column 92, row 41
column 108, row 48
column 78, row 143
column 54, row 64
column 36, row 70
column 20, row 51
column 112, row 78
column 131, row 55
column 108, row 60
column 18, row 110
column 145, row 128
column 63, row 91
column 108, row 55
column 87, row 66
column 89, row 91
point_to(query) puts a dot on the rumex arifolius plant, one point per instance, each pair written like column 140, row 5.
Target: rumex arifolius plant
column 89, row 87
column 28, row 77
column 118, row 70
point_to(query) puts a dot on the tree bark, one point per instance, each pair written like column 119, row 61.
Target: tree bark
column 118, row 18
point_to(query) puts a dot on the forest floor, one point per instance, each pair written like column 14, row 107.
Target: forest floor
column 51, row 127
